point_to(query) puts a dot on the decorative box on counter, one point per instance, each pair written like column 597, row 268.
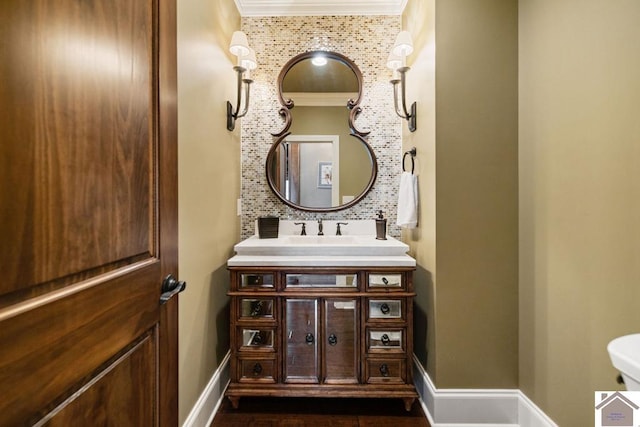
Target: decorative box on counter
column 268, row 227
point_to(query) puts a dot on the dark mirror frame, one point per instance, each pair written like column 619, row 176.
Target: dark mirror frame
column 352, row 104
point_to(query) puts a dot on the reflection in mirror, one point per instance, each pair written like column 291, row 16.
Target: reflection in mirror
column 320, row 171
column 332, row 84
column 320, row 161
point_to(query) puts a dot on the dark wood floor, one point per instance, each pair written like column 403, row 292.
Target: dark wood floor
column 308, row 412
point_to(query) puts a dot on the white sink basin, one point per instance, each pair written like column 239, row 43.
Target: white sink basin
column 625, row 357
column 320, row 240
column 292, row 245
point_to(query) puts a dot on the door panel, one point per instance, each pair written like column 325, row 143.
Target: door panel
column 88, row 212
column 54, row 347
column 118, row 395
column 340, row 341
column 302, row 341
column 78, row 168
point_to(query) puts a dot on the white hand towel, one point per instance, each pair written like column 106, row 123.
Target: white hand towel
column 408, row 201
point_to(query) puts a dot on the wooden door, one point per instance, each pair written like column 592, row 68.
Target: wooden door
column 88, row 212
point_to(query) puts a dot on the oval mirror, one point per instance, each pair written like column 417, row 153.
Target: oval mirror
column 320, row 162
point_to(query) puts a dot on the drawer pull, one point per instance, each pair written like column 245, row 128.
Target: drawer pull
column 385, row 339
column 257, row 369
column 333, row 340
column 384, row 370
column 385, row 281
column 384, row 308
column 309, row 339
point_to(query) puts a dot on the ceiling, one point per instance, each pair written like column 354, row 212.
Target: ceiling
column 319, row 7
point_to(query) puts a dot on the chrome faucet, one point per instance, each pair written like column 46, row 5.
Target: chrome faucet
column 320, row 233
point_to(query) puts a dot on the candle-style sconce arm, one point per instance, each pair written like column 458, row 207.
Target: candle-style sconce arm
column 233, row 114
column 407, row 114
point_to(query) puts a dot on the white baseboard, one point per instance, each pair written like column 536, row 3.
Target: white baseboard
column 444, row 407
column 205, row 409
column 476, row 408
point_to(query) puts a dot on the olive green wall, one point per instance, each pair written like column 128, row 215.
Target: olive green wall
column 477, row 193
column 209, row 184
column 579, row 197
column 419, row 19
column 467, row 251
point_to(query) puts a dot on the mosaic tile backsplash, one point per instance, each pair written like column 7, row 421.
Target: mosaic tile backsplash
column 366, row 40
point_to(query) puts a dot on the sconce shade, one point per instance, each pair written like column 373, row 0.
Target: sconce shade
column 249, row 61
column 394, row 61
column 239, row 45
column 403, row 45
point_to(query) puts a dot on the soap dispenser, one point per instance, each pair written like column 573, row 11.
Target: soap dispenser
column 381, row 227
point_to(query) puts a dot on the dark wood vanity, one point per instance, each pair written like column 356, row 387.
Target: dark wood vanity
column 322, row 332
column 340, row 324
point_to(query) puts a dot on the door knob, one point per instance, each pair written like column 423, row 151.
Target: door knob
column 170, row 287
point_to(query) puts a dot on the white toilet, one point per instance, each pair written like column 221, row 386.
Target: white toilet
column 625, row 357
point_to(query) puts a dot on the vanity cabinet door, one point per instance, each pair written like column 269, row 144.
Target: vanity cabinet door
column 340, row 344
column 301, row 352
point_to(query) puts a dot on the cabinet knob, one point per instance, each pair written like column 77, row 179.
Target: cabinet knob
column 385, row 339
column 384, row 370
column 333, row 340
column 309, row 338
column 257, row 369
column 384, row 308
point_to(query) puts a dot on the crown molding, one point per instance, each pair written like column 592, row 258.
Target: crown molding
column 319, row 7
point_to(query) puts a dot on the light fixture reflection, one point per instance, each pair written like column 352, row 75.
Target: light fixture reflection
column 319, row 60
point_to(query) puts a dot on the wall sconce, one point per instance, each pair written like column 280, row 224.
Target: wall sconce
column 246, row 62
column 398, row 63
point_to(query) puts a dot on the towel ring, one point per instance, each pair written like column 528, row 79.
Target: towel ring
column 412, row 153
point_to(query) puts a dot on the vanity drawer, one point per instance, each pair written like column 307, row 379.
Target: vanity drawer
column 379, row 309
column 256, row 308
column 385, row 281
column 385, row 371
column 257, row 370
column 332, row 281
column 385, row 340
column 256, row 280
column 256, row 339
